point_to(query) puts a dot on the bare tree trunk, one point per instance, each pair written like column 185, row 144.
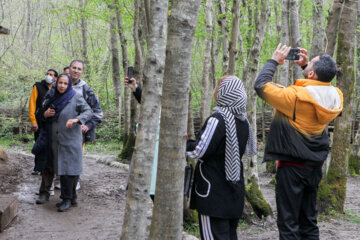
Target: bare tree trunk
column 295, row 36
column 224, row 32
column 234, row 37
column 332, row 27
column 138, row 70
column 82, row 6
column 336, row 179
column 115, row 60
column 285, row 39
column 125, row 64
column 253, row 194
column 205, row 81
column 170, row 176
column 190, row 128
column 318, row 30
column 134, row 226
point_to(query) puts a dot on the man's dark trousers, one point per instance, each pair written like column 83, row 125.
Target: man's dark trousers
column 40, row 159
column 296, row 189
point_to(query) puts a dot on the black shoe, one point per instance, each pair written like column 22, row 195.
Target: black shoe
column 73, row 203
column 42, row 199
column 65, row 205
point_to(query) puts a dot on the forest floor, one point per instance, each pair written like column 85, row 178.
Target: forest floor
column 101, row 205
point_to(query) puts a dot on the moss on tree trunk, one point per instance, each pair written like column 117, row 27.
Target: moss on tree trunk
column 128, row 148
column 354, row 165
column 271, row 167
column 256, row 199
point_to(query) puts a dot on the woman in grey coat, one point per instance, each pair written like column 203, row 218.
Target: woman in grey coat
column 66, row 110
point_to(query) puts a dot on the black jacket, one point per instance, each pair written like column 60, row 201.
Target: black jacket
column 212, row 194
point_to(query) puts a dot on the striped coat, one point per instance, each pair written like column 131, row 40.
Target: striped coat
column 212, row 194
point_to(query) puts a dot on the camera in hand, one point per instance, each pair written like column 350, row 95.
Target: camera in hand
column 130, row 73
column 293, row 54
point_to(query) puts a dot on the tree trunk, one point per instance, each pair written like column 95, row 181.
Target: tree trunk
column 168, row 206
column 253, row 193
column 354, row 158
column 134, row 226
column 205, row 100
column 125, row 64
column 82, row 6
column 234, row 37
column 115, row 60
column 285, row 39
column 332, row 27
column 318, row 31
column 128, row 148
column 295, row 36
column 225, row 35
column 332, row 192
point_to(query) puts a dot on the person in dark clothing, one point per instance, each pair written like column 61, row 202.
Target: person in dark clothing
column 137, row 91
column 36, row 98
column 63, row 113
column 298, row 138
column 218, row 189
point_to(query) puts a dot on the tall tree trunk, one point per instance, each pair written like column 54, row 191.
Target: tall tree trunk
column 115, row 60
column 84, row 53
column 128, row 148
column 354, row 158
column 336, row 179
column 125, row 64
column 318, row 30
column 253, row 194
column 332, row 26
column 285, row 39
column 134, row 226
column 170, row 176
column 225, row 35
column 234, row 37
column 295, row 36
column 205, row 81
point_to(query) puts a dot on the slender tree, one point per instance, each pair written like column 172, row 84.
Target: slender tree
column 332, row 192
column 83, row 23
column 225, row 35
column 332, row 26
column 115, row 59
column 168, row 206
column 318, row 30
column 134, row 226
column 285, row 39
column 233, row 50
column 253, row 193
column 205, row 80
column 295, row 36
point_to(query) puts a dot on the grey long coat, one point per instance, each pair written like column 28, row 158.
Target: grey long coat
column 67, row 142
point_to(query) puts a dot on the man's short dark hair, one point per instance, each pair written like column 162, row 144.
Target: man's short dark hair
column 55, row 72
column 65, row 68
column 78, row 60
column 325, row 68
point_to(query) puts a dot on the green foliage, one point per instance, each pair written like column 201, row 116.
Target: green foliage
column 192, row 228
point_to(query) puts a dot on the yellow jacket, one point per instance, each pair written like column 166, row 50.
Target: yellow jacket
column 32, row 104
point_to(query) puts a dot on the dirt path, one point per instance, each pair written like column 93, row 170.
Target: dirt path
column 102, row 200
column 99, row 213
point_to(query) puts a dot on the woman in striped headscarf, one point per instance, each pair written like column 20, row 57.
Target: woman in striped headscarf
column 218, row 190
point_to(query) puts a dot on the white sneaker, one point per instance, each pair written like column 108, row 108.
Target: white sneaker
column 78, row 186
column 52, row 192
column 58, row 186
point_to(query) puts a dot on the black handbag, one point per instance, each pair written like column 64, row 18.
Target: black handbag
column 40, row 143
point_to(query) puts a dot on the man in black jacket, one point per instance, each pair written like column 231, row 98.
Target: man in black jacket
column 36, row 98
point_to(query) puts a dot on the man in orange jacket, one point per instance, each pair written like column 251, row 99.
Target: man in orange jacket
column 298, row 139
column 36, row 98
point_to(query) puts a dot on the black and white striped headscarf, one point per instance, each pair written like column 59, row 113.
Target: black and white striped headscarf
column 231, row 102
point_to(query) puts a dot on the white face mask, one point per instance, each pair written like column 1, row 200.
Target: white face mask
column 48, row 79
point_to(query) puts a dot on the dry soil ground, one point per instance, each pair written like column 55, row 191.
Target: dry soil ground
column 102, row 200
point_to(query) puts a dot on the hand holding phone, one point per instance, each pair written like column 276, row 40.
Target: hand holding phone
column 293, row 54
column 130, row 73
